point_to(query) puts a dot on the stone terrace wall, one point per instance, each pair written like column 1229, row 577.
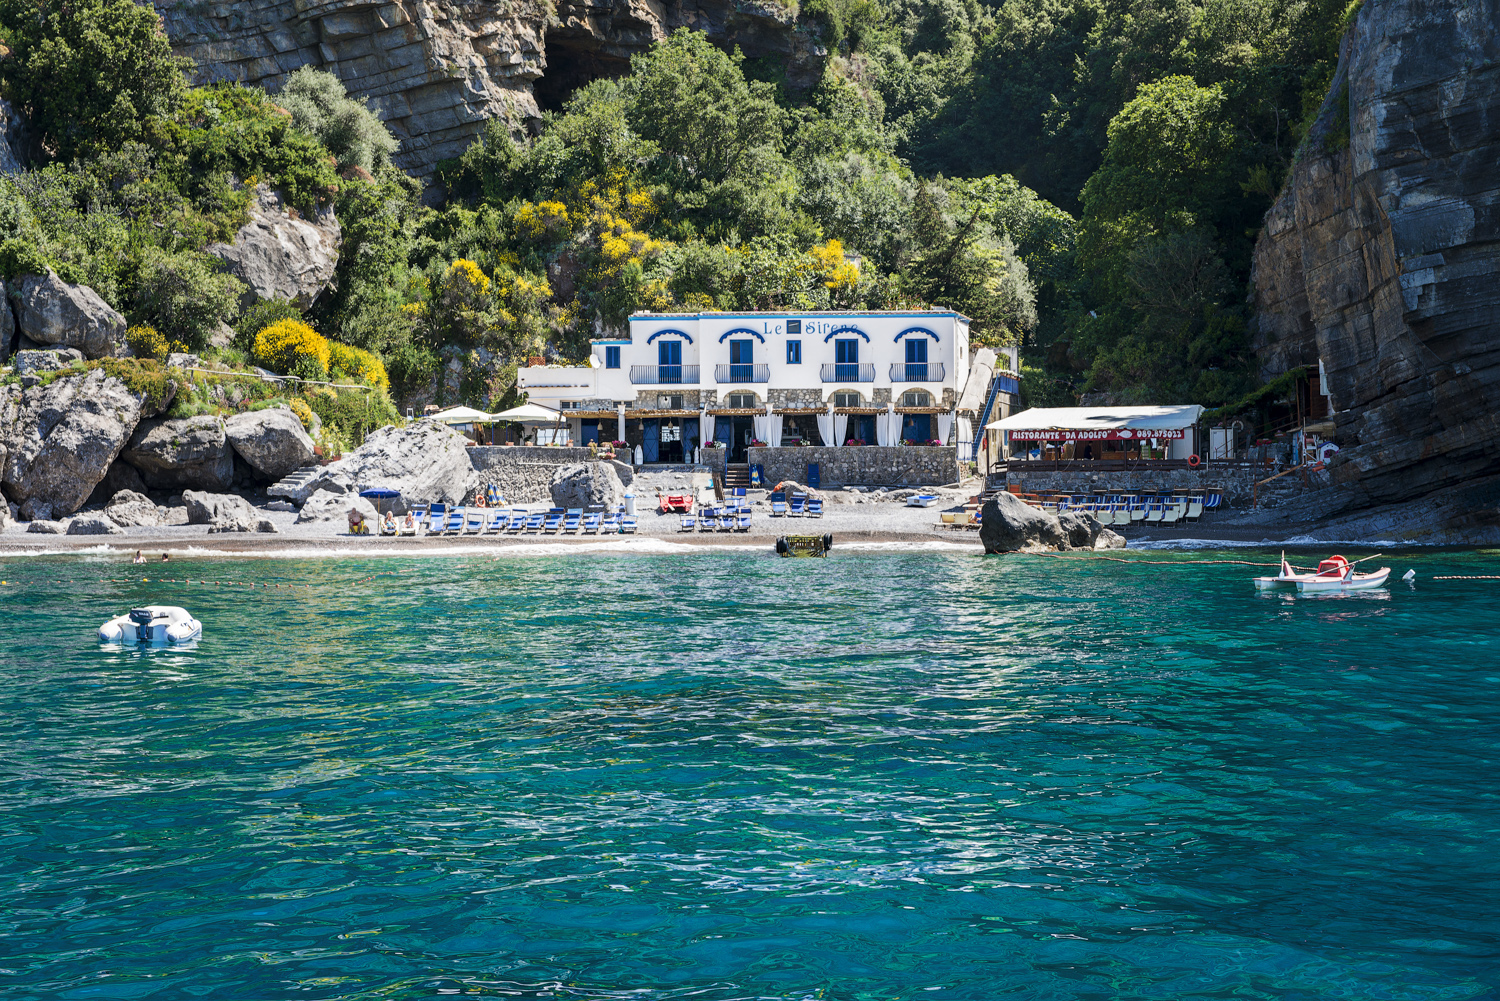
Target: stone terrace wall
column 524, row 475
column 862, row 465
column 1234, row 482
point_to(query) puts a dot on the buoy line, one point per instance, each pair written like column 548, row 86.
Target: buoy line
column 210, row 583
column 1153, row 563
column 1489, row 577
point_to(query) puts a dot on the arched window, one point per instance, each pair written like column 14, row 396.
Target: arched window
column 741, row 401
column 916, row 398
column 847, row 399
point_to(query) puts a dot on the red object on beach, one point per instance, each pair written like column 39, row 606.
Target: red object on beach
column 675, row 502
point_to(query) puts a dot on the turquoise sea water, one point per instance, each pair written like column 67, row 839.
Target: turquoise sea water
column 727, row 776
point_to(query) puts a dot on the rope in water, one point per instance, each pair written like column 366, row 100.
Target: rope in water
column 1154, row 563
column 1490, row 577
column 211, row 583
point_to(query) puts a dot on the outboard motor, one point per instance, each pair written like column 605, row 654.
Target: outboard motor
column 142, row 618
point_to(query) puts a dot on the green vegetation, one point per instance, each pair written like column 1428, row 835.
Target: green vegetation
column 1084, row 177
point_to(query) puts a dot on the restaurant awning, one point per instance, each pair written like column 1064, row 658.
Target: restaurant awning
column 1097, row 423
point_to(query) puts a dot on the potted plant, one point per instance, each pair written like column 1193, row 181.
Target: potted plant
column 757, row 443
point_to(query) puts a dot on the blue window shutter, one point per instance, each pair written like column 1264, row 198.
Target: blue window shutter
column 612, row 357
column 794, row 352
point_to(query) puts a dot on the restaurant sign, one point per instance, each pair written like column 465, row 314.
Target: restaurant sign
column 1110, row 434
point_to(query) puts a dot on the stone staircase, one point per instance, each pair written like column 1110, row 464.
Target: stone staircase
column 737, row 475
column 290, row 486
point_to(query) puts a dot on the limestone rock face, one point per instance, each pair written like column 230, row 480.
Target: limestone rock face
column 8, row 326
column 436, row 71
column 58, row 440
column 45, row 526
column 191, row 452
column 1109, row 539
column 1081, row 528
column 271, row 441
column 36, row 361
column 130, row 509
column 1380, row 258
column 224, row 513
column 587, row 484
column 279, row 254
column 54, row 312
column 426, row 461
column 120, row 477
column 1008, row 524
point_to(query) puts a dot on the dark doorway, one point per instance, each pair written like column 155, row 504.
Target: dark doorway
column 741, row 430
column 573, row 60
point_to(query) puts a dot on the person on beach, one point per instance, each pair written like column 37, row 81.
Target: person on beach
column 388, row 524
column 140, row 557
column 409, row 526
column 164, row 558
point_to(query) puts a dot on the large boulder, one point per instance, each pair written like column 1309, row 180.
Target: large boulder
column 54, row 312
column 1008, row 524
column 57, row 441
column 8, row 326
column 1080, row 528
column 281, row 255
column 46, row 526
column 271, row 441
column 132, row 510
column 224, row 513
column 325, row 506
column 92, row 524
column 1109, row 539
column 426, row 461
column 587, row 484
column 188, row 452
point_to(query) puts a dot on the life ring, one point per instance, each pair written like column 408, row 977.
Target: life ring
column 1194, row 462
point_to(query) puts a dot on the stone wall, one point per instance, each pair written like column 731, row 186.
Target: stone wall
column 865, row 465
column 1234, row 482
column 1380, row 256
column 524, row 475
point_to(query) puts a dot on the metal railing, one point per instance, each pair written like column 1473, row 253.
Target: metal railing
column 839, row 372
column 664, row 375
column 911, row 372
column 742, row 373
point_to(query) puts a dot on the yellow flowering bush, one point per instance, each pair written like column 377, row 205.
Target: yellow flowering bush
column 291, row 347
column 348, row 362
column 539, row 219
column 465, row 279
column 828, row 261
column 145, row 342
column 304, row 413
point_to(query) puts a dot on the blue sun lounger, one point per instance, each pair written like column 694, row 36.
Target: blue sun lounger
column 437, row 517
column 778, row 505
column 815, row 507
column 572, row 520
column 686, row 522
column 591, row 522
column 553, row 520
column 627, row 524
column 515, row 521
column 534, row 522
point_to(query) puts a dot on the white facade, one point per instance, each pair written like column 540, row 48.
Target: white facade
column 798, row 360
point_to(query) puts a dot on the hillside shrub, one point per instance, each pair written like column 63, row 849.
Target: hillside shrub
column 351, row 131
column 258, row 317
column 355, row 412
column 291, row 347
column 304, row 413
column 185, row 295
column 145, row 342
column 356, row 363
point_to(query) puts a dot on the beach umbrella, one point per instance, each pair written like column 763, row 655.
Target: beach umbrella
column 378, row 494
column 527, row 413
column 454, row 416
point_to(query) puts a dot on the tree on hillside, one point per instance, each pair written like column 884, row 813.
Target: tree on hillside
column 90, row 75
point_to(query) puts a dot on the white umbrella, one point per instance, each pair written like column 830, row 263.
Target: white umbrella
column 461, row 415
column 527, row 413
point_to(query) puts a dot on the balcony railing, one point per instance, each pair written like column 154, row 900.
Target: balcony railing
column 924, row 372
column 664, row 375
column 839, row 372
column 742, row 373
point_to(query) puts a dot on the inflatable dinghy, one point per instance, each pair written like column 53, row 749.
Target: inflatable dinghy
column 155, row 624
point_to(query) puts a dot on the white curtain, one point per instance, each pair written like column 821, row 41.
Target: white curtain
column 945, row 425
column 826, row 430
column 705, row 428
column 762, row 426
column 776, row 421
column 884, row 425
column 966, row 436
column 620, row 428
column 840, row 428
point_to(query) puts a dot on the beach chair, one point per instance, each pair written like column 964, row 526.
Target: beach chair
column 610, row 523
column 778, row 505
column 798, row 506
column 473, row 521
column 627, row 524
column 742, row 521
column 1154, row 512
column 552, row 521
column 1195, row 507
column 708, row 519
column 1212, row 501
column 495, row 524
column 454, row 524
column 437, row 517
column 815, row 507
column 1169, row 511
column 515, row 521
column 591, row 522
column 686, row 522
column 418, row 519
column 534, row 522
column 572, row 520
column 726, row 520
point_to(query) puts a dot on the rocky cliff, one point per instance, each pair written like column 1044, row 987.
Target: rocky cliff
column 436, row 71
column 1379, row 258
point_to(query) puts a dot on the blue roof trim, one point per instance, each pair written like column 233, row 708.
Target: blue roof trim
column 928, row 314
column 741, row 330
column 846, row 329
column 678, row 333
column 918, row 330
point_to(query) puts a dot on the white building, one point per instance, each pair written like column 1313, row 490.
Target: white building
column 829, row 378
